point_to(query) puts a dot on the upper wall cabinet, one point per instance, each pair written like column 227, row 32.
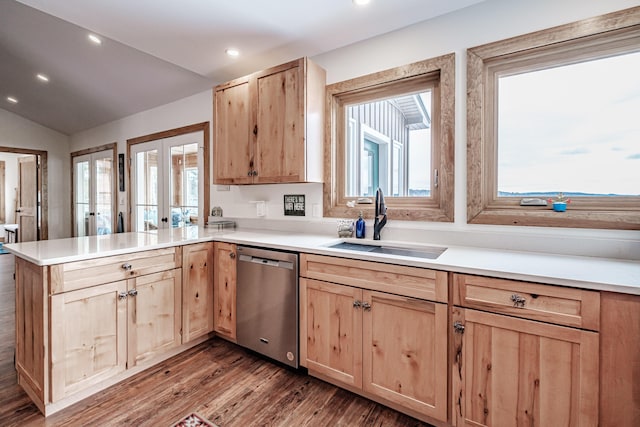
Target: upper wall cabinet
column 269, row 126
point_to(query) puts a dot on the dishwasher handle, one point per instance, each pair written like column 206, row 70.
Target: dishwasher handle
column 268, row 262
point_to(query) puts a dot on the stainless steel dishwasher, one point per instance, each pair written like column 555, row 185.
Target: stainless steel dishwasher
column 267, row 303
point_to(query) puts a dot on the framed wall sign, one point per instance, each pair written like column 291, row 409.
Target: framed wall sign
column 294, row 205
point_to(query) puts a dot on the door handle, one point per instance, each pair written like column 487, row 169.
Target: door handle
column 18, row 210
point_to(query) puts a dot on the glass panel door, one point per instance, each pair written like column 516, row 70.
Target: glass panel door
column 93, row 177
column 103, row 193
column 146, row 197
column 82, row 193
column 166, row 183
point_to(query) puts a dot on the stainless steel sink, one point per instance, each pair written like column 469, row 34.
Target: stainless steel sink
column 427, row 252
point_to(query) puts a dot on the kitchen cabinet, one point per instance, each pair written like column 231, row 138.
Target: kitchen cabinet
column 371, row 340
column 89, row 337
column 509, row 368
column 122, row 324
column 620, row 360
column 224, row 292
column 82, row 325
column 197, row 290
column 269, row 126
column 155, row 315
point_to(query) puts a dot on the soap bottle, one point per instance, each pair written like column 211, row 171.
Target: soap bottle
column 360, row 226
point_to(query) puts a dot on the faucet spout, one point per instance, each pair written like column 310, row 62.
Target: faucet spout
column 381, row 215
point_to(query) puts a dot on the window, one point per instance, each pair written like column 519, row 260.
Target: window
column 556, row 111
column 393, row 130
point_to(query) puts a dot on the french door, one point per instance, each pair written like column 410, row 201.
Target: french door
column 94, row 178
column 166, row 186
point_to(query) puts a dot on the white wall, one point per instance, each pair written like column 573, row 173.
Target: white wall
column 18, row 132
column 482, row 23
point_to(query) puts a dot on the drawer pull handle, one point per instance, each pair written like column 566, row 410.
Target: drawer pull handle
column 133, row 292
column 357, row 304
column 366, row 306
column 518, row 301
column 126, row 266
column 122, row 295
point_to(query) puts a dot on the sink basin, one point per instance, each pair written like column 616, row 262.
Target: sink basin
column 430, row 252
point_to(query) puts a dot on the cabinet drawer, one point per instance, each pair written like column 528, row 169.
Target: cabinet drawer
column 81, row 274
column 395, row 279
column 554, row 304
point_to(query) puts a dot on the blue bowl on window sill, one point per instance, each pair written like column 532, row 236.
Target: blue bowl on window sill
column 559, row 206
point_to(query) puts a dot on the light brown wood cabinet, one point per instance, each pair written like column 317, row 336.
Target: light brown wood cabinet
column 269, row 126
column 78, row 330
column 388, row 347
column 88, row 337
column 510, row 370
column 224, row 292
column 197, row 290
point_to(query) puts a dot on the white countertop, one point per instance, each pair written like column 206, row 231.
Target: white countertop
column 582, row 272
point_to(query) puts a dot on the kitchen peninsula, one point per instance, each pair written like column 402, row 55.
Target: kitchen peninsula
column 587, row 306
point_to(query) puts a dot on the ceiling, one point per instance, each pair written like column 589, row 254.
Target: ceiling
column 158, row 51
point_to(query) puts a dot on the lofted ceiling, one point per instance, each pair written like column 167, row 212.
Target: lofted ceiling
column 158, row 51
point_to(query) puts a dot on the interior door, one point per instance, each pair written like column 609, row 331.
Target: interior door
column 27, row 210
column 167, row 189
column 94, row 177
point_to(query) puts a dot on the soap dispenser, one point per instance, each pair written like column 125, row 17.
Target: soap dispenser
column 360, row 226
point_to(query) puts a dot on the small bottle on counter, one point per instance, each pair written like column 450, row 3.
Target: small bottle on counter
column 360, row 226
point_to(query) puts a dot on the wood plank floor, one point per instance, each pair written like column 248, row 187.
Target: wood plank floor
column 217, row 379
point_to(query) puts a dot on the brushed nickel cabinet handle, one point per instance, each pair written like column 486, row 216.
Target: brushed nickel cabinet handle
column 122, row 295
column 366, row 306
column 133, row 292
column 126, row 266
column 357, row 304
column 458, row 327
column 518, row 301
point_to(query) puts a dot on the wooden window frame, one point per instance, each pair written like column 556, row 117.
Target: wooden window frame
column 435, row 73
column 612, row 33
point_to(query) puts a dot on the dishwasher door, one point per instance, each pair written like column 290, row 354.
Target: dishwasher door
column 267, row 303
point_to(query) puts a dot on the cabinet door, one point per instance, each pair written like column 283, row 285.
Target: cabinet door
column 514, row 372
column 405, row 352
column 224, row 292
column 154, row 314
column 197, row 290
column 232, row 144
column 334, row 331
column 88, row 337
column 280, row 144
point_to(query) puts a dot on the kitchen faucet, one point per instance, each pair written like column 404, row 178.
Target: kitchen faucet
column 381, row 214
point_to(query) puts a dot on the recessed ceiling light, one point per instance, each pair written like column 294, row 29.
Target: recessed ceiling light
column 12, row 100
column 361, row 2
column 42, row 77
column 95, row 39
column 232, row 52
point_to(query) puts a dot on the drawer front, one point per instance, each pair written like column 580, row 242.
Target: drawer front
column 413, row 282
column 82, row 274
column 554, row 304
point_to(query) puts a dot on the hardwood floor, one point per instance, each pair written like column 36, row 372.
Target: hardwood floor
column 217, row 379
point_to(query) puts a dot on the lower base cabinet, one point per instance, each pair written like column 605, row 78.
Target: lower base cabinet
column 516, row 372
column 389, row 346
column 100, row 331
column 224, row 294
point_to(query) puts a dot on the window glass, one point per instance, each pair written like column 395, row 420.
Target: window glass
column 379, row 134
column 561, row 130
